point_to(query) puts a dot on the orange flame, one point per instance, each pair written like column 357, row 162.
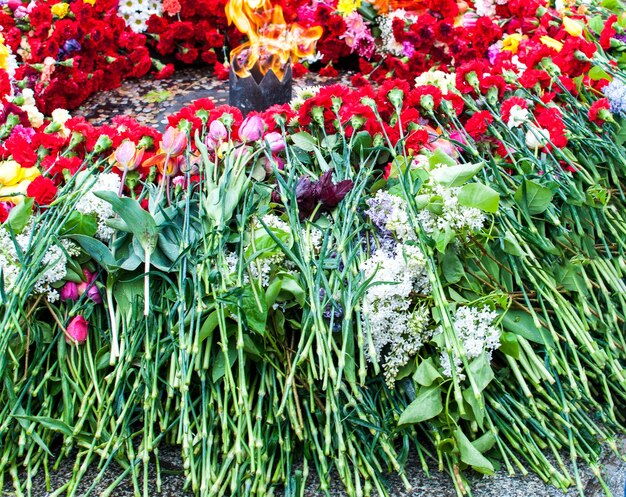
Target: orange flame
column 271, row 43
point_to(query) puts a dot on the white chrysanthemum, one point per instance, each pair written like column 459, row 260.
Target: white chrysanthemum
column 303, row 94
column 396, row 332
column 137, row 12
column 476, row 333
column 444, row 81
column 90, row 204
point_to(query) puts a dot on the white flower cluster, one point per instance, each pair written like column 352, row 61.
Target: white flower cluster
column 474, row 329
column 137, row 12
column 390, row 214
column 444, row 81
column 397, row 333
column 485, row 8
column 53, row 264
column 390, row 44
column 453, row 216
column 89, row 204
column 29, row 106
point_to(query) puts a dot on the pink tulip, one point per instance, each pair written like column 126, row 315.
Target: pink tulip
column 69, row 291
column 276, row 161
column 217, row 134
column 77, row 330
column 173, row 142
column 251, row 129
column 275, row 141
column 127, row 156
column 14, row 4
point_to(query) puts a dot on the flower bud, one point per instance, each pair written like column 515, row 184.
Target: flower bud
column 251, row 129
column 69, row 291
column 173, row 142
column 275, row 141
column 102, row 145
column 217, row 134
column 77, row 330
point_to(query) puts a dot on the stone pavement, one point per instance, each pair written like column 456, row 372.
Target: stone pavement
column 150, row 101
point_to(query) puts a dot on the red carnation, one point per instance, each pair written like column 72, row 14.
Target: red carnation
column 599, row 111
column 42, row 189
column 165, row 72
column 329, row 72
column 509, row 103
column 476, row 125
column 221, row 71
column 4, row 213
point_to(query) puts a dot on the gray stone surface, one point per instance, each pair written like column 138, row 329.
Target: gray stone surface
column 437, row 485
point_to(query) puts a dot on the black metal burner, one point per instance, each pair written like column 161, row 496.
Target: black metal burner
column 258, row 92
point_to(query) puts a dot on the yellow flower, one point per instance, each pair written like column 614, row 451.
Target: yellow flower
column 60, row 9
column 14, row 194
column 14, row 180
column 346, row 7
column 90, row 2
column 10, row 172
column 573, row 27
column 552, row 43
column 511, row 42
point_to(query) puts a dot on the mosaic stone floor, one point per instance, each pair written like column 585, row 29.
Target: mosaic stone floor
column 150, row 101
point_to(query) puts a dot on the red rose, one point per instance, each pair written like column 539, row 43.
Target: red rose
column 42, row 189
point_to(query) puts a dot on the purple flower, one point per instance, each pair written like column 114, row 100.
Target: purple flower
column 309, row 194
column 71, row 45
column 69, row 291
column 621, row 38
column 408, row 49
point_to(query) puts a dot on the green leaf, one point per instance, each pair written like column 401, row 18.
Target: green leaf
column 20, row 215
column 80, row 224
column 470, row 455
column 440, row 157
column 209, row 325
column 455, row 175
column 140, row 222
column 533, row 197
column 479, row 196
column 426, row 373
column 254, row 312
column 50, row 423
column 509, row 344
column 481, row 371
column 426, row 406
column 304, row 141
column 613, row 5
column 452, row 267
column 511, row 246
column 219, row 364
column 596, row 73
column 478, row 410
column 271, row 294
column 98, row 251
column 521, row 323
column 596, row 23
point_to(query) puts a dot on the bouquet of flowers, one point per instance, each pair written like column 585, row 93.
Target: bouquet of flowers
column 434, row 263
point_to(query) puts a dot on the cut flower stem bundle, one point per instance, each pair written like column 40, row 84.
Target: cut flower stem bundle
column 329, row 288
